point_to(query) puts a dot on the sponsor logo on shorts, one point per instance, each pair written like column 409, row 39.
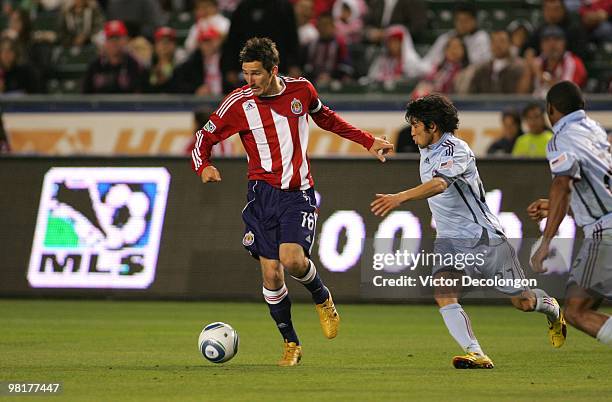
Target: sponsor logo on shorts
column 248, row 239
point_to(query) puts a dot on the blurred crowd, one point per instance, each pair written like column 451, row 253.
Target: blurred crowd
column 412, row 46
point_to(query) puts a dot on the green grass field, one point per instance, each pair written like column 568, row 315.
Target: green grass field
column 113, row 351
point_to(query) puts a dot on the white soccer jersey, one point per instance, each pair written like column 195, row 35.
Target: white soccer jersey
column 580, row 149
column 460, row 211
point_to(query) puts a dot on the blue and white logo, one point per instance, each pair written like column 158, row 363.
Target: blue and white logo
column 99, row 228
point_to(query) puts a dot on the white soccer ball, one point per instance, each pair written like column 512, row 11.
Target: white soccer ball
column 218, row 342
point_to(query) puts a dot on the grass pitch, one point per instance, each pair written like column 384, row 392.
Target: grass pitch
column 115, row 351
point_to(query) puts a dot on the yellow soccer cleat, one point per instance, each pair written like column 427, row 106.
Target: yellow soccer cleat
column 292, row 354
column 472, row 361
column 328, row 317
column 557, row 330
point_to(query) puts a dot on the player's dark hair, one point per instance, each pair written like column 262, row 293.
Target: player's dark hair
column 465, row 7
column 566, row 97
column 262, row 50
column 532, row 106
column 434, row 108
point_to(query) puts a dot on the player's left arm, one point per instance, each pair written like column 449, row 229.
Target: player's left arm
column 384, row 203
column 329, row 120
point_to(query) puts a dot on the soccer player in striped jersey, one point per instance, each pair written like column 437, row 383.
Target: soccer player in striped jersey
column 581, row 165
column 271, row 114
column 465, row 226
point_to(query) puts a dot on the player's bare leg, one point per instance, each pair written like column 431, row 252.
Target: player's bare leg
column 304, row 271
column 459, row 325
column 277, row 297
column 538, row 300
column 580, row 311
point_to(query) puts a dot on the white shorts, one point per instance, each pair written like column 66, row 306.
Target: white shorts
column 592, row 269
column 497, row 260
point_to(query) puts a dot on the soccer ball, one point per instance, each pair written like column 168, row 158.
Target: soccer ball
column 218, row 342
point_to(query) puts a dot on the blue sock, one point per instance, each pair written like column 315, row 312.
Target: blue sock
column 280, row 309
column 312, row 281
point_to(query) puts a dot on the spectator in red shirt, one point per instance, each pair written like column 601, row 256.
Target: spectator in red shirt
column 115, row 71
column 442, row 78
column 596, row 17
column 554, row 64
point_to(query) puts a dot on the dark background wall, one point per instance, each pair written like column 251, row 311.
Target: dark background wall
column 200, row 254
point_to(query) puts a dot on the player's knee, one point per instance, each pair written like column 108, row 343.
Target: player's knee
column 572, row 314
column 273, row 279
column 294, row 262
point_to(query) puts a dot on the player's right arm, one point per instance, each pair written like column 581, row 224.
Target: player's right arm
column 214, row 131
column 450, row 168
column 385, row 203
column 565, row 168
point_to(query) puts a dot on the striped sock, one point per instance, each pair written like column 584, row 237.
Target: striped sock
column 312, row 281
column 460, row 328
column 279, row 304
column 546, row 305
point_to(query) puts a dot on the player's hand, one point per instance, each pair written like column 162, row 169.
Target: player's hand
column 542, row 251
column 384, row 203
column 210, row 174
column 538, row 209
column 380, row 148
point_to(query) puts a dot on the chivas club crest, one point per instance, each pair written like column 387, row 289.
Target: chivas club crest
column 296, row 106
column 248, row 239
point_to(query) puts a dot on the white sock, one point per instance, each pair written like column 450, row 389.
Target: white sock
column 605, row 332
column 546, row 305
column 460, row 328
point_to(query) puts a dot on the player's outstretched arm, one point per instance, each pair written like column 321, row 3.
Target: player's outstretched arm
column 380, row 148
column 558, row 205
column 538, row 209
column 210, row 174
column 385, row 203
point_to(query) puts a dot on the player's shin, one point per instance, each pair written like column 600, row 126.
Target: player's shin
column 280, row 309
column 312, row 281
column 460, row 328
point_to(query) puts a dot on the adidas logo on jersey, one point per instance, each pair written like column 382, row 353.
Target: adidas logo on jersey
column 308, row 239
column 427, row 160
column 248, row 105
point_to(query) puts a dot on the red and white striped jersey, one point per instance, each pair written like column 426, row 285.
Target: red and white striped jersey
column 274, row 131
